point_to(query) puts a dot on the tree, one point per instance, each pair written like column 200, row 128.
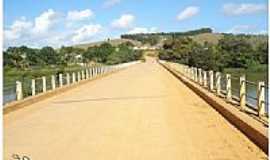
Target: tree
column 49, row 56
column 16, row 57
column 67, row 55
column 237, row 51
column 262, row 52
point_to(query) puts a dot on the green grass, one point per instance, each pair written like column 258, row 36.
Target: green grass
column 13, row 74
column 255, row 68
column 254, row 74
column 114, row 42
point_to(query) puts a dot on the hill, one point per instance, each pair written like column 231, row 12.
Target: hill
column 113, row 42
column 212, row 38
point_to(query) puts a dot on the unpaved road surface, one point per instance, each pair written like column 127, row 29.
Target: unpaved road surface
column 140, row 113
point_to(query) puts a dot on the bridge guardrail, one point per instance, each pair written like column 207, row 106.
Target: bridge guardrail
column 33, row 87
column 224, row 85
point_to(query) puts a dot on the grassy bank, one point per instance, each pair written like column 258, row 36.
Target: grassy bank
column 13, row 74
column 256, row 73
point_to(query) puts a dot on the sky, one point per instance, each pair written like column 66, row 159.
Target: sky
column 39, row 23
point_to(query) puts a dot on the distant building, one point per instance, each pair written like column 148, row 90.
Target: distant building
column 146, row 48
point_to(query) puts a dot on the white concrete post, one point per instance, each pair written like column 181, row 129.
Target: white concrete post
column 68, row 78
column 211, row 80
column 98, row 70
column 93, row 71
column 190, row 73
column 79, row 77
column 73, row 77
column 19, row 93
column 87, row 73
column 196, row 74
column 200, row 76
column 107, row 69
column 204, row 78
column 261, row 99
column 90, row 73
column 242, row 92
column 228, row 87
column 83, row 76
column 60, row 80
column 44, row 84
column 218, row 77
column 104, row 69
column 33, row 87
column 53, row 82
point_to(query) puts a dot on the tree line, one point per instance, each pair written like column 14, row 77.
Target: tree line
column 232, row 51
column 24, row 57
column 153, row 38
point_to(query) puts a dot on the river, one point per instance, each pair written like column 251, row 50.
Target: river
column 251, row 89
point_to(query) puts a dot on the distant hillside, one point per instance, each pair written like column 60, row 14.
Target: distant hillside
column 212, row 38
column 113, row 42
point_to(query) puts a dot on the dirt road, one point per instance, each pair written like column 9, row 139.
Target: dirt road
column 141, row 113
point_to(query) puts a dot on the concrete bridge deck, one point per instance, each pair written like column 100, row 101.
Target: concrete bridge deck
column 141, row 113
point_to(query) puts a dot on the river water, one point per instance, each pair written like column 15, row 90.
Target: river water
column 251, row 89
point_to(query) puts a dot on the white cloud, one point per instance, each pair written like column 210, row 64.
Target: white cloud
column 45, row 21
column 79, row 15
column 18, row 29
column 125, row 21
column 243, row 9
column 110, row 3
column 263, row 32
column 142, row 30
column 86, row 32
column 188, row 13
column 243, row 29
column 49, row 28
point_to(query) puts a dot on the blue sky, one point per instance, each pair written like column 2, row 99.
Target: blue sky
column 38, row 23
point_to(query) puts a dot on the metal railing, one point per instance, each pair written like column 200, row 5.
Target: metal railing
column 249, row 95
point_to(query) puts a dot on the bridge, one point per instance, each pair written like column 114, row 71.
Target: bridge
column 140, row 112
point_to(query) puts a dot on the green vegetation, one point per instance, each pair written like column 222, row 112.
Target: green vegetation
column 154, row 38
column 231, row 51
column 21, row 63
